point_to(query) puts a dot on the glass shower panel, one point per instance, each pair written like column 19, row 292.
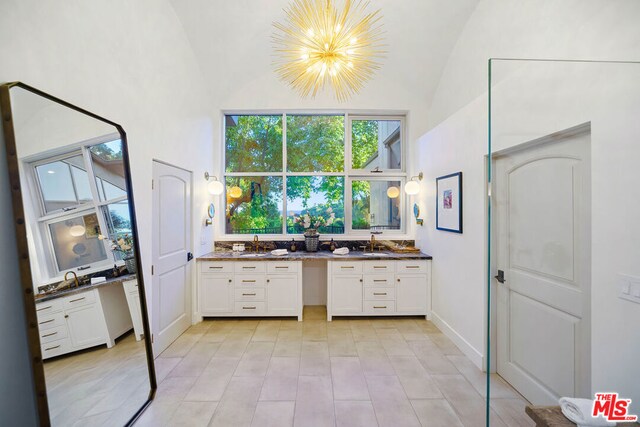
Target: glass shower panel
column 563, row 268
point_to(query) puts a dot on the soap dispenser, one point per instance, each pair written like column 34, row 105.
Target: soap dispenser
column 293, row 246
column 332, row 245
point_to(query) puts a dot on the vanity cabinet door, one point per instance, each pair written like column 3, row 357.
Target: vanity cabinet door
column 282, row 295
column 346, row 294
column 86, row 326
column 411, row 293
column 216, row 293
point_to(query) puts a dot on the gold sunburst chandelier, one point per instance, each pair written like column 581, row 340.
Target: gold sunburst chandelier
column 320, row 44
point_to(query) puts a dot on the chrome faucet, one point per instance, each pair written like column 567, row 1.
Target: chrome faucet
column 256, row 244
column 75, row 277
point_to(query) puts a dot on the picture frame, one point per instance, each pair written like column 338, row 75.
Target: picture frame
column 449, row 203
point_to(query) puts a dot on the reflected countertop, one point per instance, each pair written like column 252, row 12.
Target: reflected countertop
column 83, row 288
column 301, row 256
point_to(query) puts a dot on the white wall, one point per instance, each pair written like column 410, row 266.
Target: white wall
column 131, row 63
column 457, row 141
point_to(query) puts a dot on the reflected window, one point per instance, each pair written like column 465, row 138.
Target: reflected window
column 376, row 144
column 63, row 184
column 254, row 205
column 376, row 205
column 77, row 241
column 108, row 168
column 320, row 197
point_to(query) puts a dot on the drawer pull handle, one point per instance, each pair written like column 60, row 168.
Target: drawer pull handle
column 77, row 299
column 413, row 266
column 44, row 308
column 346, row 267
column 248, row 281
column 52, row 348
column 248, row 308
column 249, row 295
column 215, row 268
column 248, row 268
column 286, row 266
column 48, row 335
column 379, row 293
column 379, row 280
column 379, row 306
column 379, row 266
column 47, row 321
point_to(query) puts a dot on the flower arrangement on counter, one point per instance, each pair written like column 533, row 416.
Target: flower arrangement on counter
column 311, row 223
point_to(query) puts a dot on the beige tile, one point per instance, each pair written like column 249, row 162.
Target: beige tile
column 281, row 381
column 511, row 411
column 472, row 413
column 432, row 358
column 238, row 403
column 267, row 330
column 314, row 359
column 233, row 347
column 396, row 346
column 445, row 344
column 314, row 312
column 158, row 414
column 416, row 382
column 211, row 384
column 195, row 361
column 255, row 360
column 455, row 387
column 348, row 379
column 390, row 402
column 314, row 403
column 355, row 414
column 436, row 412
column 342, row 347
column 174, row 389
column 274, row 414
column 287, row 348
column 181, row 346
column 478, row 379
column 193, row 414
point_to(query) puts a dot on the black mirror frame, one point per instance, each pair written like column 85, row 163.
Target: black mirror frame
column 23, row 252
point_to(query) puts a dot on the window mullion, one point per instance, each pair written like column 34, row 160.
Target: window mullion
column 284, row 173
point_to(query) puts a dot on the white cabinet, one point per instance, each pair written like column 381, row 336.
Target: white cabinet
column 379, row 288
column 282, row 294
column 216, row 294
column 411, row 293
column 250, row 288
column 85, row 319
column 346, row 294
column 133, row 301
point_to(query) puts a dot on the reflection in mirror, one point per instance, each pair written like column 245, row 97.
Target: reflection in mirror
column 82, row 255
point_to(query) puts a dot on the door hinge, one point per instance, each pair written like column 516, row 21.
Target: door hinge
column 151, row 338
column 152, row 269
column 152, row 184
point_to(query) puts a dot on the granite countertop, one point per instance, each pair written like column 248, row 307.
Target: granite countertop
column 83, row 288
column 301, row 256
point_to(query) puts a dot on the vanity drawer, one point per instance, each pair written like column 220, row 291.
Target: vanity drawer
column 379, row 280
column 48, row 307
column 374, row 307
column 216, row 267
column 55, row 348
column 250, row 267
column 51, row 321
column 80, row 299
column 382, row 294
column 282, row 267
column 250, row 308
column 250, row 280
column 53, row 334
column 417, row 266
column 379, row 267
column 347, row 267
column 249, row 294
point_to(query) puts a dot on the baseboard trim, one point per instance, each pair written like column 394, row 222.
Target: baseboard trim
column 474, row 355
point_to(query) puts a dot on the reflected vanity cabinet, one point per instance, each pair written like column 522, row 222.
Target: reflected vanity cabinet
column 82, row 320
column 379, row 288
column 133, row 301
column 261, row 288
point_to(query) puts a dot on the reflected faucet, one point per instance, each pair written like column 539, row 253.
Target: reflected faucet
column 373, row 242
column 256, row 244
column 75, row 277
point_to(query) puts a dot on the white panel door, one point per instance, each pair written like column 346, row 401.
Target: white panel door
column 282, row 295
column 216, row 294
column 171, row 287
column 542, row 223
column 346, row 294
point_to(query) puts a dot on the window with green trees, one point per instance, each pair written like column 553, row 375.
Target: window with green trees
column 281, row 167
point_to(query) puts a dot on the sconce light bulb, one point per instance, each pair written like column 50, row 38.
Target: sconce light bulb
column 235, row 192
column 77, row 230
column 393, row 192
column 215, row 188
column 412, row 188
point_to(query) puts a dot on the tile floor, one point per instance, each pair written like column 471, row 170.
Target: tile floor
column 349, row 372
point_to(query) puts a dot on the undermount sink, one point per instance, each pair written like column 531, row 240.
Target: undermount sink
column 375, row 254
column 251, row 255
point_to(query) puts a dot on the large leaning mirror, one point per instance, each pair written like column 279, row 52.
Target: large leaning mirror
column 76, row 233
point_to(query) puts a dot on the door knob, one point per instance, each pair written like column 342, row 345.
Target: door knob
column 500, row 277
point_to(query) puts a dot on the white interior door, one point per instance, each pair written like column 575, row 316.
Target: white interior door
column 542, row 219
column 171, row 289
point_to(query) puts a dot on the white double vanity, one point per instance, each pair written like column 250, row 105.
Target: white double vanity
column 357, row 284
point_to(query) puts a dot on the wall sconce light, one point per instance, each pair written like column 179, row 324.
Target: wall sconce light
column 215, row 187
column 413, row 186
column 393, row 192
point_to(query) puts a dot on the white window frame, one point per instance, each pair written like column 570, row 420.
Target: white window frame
column 348, row 173
column 44, row 219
